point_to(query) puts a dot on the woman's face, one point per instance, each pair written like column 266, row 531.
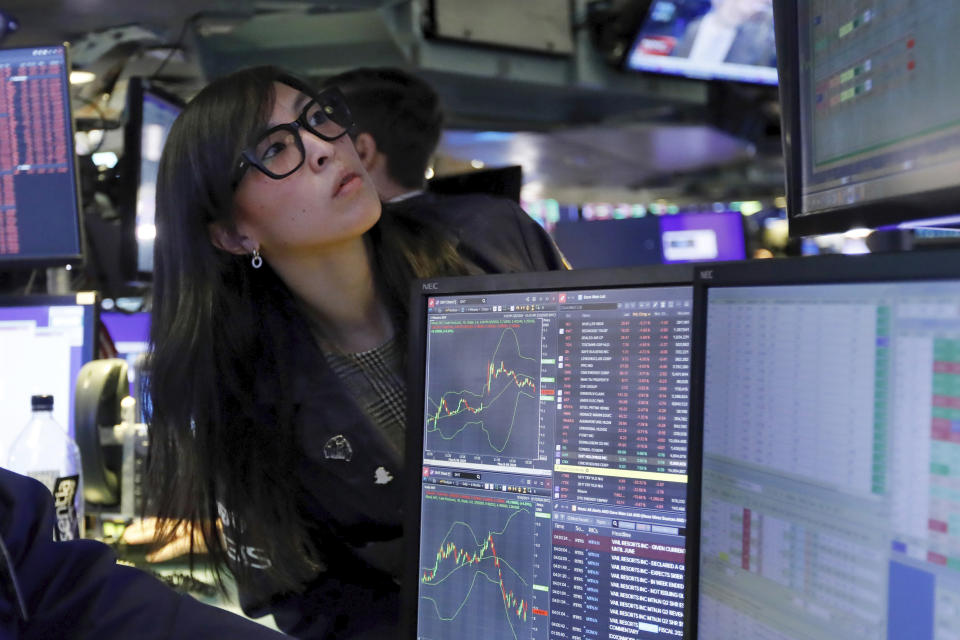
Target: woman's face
column 327, row 201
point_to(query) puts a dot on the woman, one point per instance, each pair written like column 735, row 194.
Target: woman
column 275, row 373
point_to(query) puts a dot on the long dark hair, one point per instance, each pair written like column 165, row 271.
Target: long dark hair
column 222, row 439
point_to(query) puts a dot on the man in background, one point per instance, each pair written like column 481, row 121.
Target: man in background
column 399, row 121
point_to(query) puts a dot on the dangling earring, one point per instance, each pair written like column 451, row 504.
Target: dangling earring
column 257, row 261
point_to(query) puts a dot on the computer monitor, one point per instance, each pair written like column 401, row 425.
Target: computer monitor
column 707, row 39
column 601, row 244
column 548, row 417
column 130, row 333
column 831, row 440
column 703, row 237
column 150, row 115
column 652, row 239
column 869, row 103
column 39, row 192
column 44, row 341
column 504, row 182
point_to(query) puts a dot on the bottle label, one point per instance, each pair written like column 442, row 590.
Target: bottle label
column 64, row 493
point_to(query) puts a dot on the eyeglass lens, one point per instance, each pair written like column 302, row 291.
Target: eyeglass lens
column 281, row 152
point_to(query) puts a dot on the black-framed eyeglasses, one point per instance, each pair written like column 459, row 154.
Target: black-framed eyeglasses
column 279, row 150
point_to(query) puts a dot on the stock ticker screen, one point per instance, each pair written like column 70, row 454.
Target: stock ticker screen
column 831, row 467
column 39, row 219
column 553, row 495
column 879, row 90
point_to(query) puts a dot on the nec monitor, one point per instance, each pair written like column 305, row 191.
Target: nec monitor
column 548, row 419
column 711, row 40
column 44, row 340
column 150, row 115
column 39, row 193
column 831, row 447
column 869, row 98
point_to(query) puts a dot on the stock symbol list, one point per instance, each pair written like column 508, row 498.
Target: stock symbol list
column 476, row 572
column 483, row 389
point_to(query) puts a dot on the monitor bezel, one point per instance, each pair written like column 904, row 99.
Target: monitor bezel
column 821, row 269
column 15, row 263
column 137, row 89
column 870, row 215
column 680, row 274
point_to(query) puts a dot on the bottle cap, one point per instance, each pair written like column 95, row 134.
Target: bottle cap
column 41, row 403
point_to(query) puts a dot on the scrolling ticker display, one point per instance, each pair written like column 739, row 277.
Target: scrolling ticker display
column 39, row 217
column 553, row 496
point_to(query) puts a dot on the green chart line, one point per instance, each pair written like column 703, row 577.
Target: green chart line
column 464, row 559
column 485, row 400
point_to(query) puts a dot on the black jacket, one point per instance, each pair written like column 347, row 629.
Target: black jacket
column 75, row 589
column 493, row 234
column 357, row 503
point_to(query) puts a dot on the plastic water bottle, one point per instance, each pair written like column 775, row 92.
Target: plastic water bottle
column 45, row 451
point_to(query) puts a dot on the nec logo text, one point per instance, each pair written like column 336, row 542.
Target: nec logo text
column 430, row 286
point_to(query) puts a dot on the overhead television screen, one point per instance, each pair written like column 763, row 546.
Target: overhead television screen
column 708, row 39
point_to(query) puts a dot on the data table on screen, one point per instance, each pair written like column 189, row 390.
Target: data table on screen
column 38, row 191
column 831, row 477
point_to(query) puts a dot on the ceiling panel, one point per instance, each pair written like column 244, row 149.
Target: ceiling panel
column 629, row 155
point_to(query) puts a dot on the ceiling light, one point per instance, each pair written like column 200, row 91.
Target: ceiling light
column 857, row 233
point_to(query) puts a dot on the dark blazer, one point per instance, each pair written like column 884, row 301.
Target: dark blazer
column 355, row 499
column 75, row 589
column 494, row 234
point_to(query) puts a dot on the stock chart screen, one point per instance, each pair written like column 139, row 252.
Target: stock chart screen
column 39, row 217
column 831, row 467
column 879, row 90
column 553, row 495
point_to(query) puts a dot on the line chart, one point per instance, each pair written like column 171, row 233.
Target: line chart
column 476, row 580
column 483, row 390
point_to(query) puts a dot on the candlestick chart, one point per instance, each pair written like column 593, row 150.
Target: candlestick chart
column 476, row 567
column 483, row 390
